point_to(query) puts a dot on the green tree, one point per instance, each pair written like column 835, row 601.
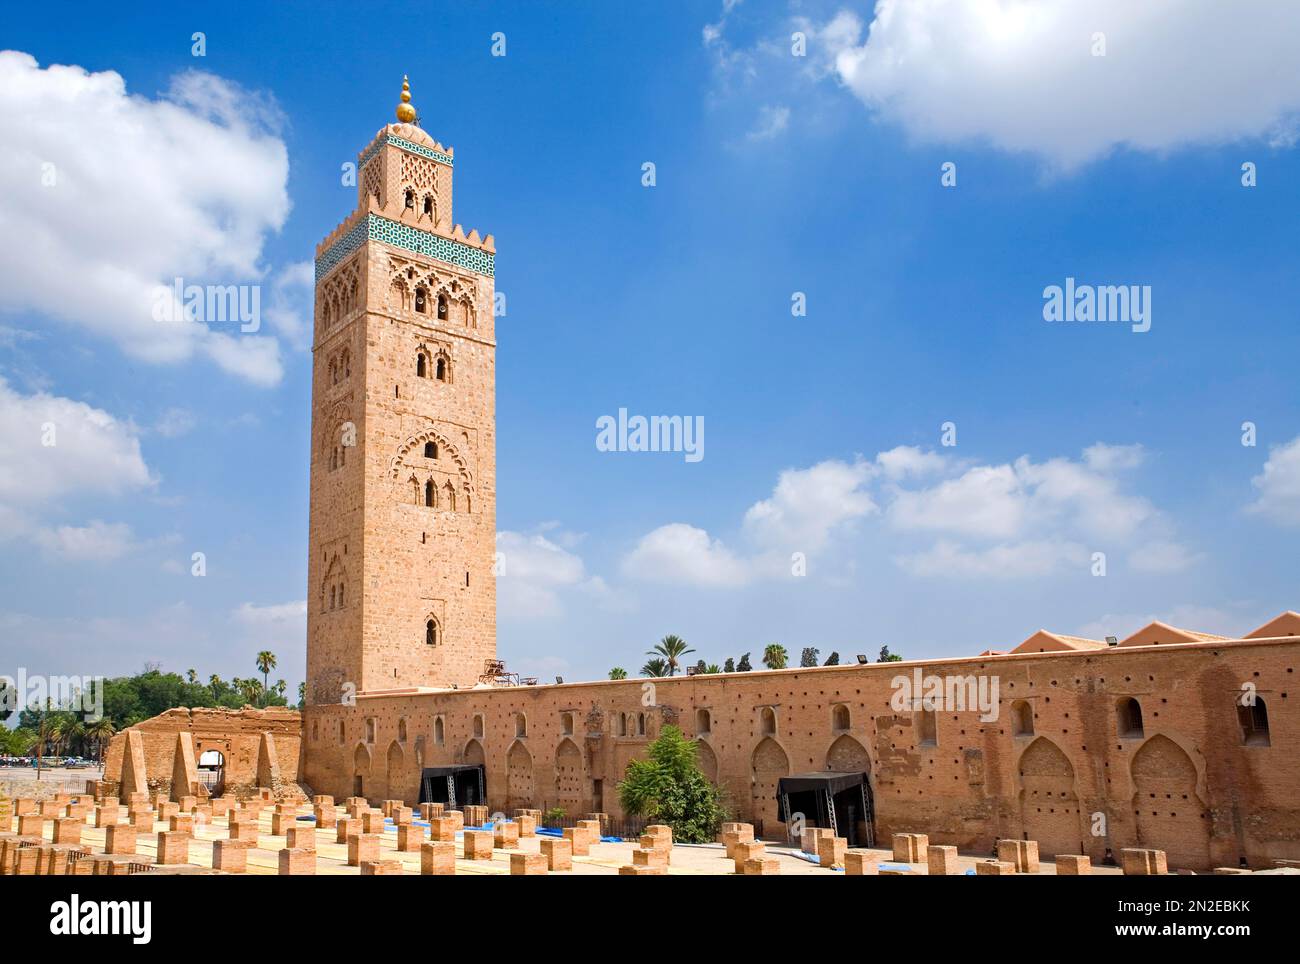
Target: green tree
column 832, row 660
column 669, row 787
column 729, row 666
column 774, row 656
column 655, row 667
column 887, row 657
column 712, row 668
column 618, row 672
column 101, row 731
column 744, row 665
column 809, row 656
column 671, row 648
column 265, row 663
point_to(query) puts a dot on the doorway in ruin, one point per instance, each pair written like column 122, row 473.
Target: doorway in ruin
column 768, row 765
column 212, row 771
column 1169, row 812
column 519, row 777
column 1049, row 807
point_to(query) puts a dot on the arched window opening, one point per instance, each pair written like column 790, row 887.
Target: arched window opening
column 442, row 307
column 703, row 721
column 1129, row 718
column 421, row 301
column 430, row 450
column 521, row 725
column 640, row 724
column 927, row 732
column 450, row 493
column 340, row 595
column 410, row 198
column 419, row 365
column 343, row 732
column 566, row 724
column 401, row 730
column 769, row 721
column 440, row 371
column 431, row 633
column 478, row 726
column 620, row 725
column 1022, row 718
column 430, row 494
column 439, row 732
column 840, row 717
column 370, row 730
column 331, row 597
column 428, row 204
column 1254, row 723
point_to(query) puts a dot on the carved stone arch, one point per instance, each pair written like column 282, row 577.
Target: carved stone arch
column 361, row 760
column 570, row 776
column 708, row 761
column 1049, row 803
column 519, row 776
column 394, row 770
column 1169, row 810
column 768, row 763
column 336, row 573
column 847, row 755
column 446, row 449
column 473, row 753
column 338, row 414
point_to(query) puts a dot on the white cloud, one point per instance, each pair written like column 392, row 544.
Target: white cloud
column 97, row 542
column 290, row 612
column 771, row 122
column 1019, row 560
column 1021, row 75
column 34, row 475
column 682, row 554
column 807, row 504
column 175, row 422
column 1279, row 485
column 536, row 571
column 1163, row 556
column 144, row 191
column 289, row 311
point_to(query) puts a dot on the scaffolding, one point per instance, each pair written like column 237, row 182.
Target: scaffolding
column 495, row 674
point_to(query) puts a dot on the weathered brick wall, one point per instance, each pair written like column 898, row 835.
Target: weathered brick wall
column 1189, row 784
column 235, row 734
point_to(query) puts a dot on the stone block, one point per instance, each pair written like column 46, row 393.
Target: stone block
column 438, row 858
column 478, row 845
column 527, row 865
column 859, row 863
column 301, row 837
column 346, row 827
column 362, row 847
column 120, row 839
column 994, row 868
column 297, row 863
column 410, row 837
column 748, row 851
column 505, row 835
column 558, row 852
column 1073, row 865
column 1140, row 862
column 67, row 830
column 831, row 850
column 381, row 868
column 230, row 856
column 762, row 867
column 173, row 847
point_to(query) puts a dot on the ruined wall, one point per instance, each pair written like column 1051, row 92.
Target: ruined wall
column 245, row 739
column 1189, row 783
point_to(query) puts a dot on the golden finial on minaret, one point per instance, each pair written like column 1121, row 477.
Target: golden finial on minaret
column 405, row 112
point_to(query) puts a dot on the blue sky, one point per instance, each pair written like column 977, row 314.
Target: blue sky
column 775, row 174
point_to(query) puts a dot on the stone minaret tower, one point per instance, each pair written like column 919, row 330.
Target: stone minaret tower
column 403, row 445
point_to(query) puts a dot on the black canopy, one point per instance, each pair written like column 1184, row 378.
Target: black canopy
column 825, row 780
column 455, row 786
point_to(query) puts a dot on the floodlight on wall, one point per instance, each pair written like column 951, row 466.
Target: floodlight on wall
column 559, row 679
column 862, row 659
column 1112, row 641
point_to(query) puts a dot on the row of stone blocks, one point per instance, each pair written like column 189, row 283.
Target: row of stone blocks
column 654, row 854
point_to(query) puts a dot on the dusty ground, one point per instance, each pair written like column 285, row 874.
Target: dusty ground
column 22, row 781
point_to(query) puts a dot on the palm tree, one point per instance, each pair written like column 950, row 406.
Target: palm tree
column 214, row 681
column 101, row 731
column 45, row 732
column 774, row 656
column 265, row 663
column 249, row 689
column 671, row 648
column 655, row 667
column 191, row 677
column 713, row 668
column 618, row 672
